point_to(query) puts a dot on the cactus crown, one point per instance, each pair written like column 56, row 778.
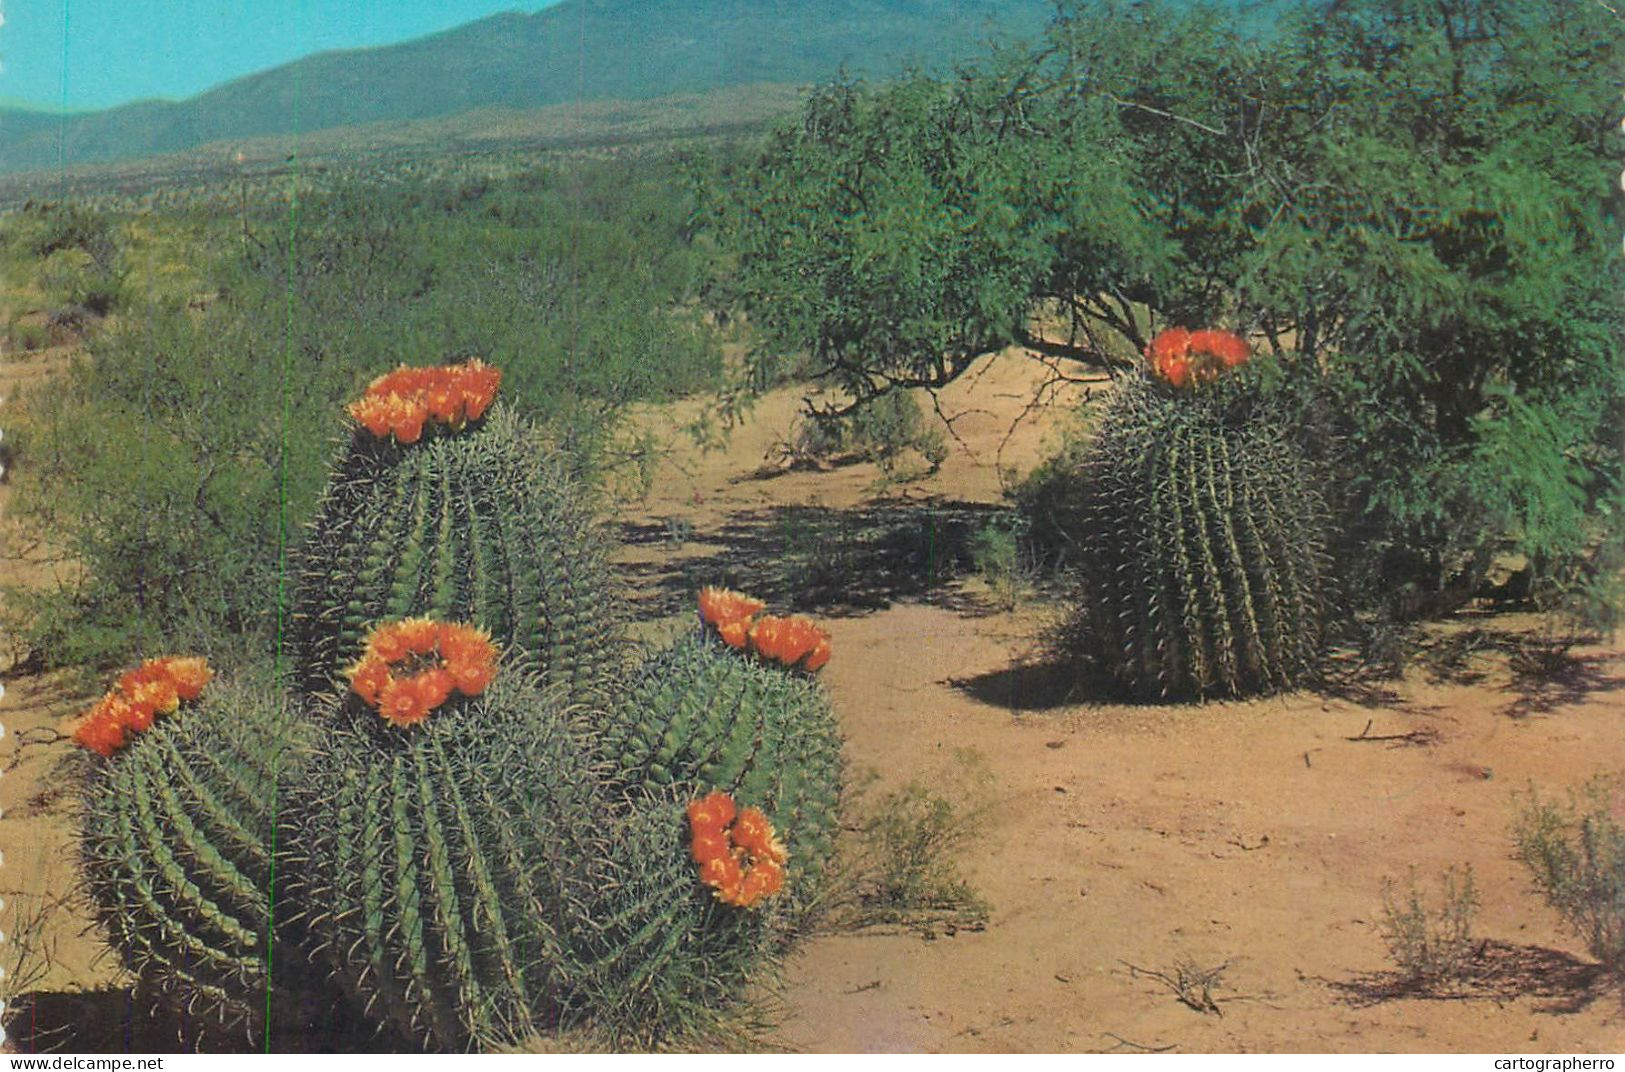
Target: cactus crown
column 474, row 527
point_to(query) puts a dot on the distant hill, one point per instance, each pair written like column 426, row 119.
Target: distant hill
column 578, row 50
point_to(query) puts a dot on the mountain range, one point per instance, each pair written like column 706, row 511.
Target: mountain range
column 575, row 51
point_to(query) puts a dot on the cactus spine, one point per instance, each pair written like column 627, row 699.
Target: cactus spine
column 471, row 527
column 176, row 849
column 702, row 716
column 1203, row 543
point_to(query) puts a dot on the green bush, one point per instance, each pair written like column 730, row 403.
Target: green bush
column 173, row 464
column 1576, row 855
column 1413, row 202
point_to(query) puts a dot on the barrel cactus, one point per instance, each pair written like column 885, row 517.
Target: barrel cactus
column 440, row 867
column 466, row 520
column 703, row 715
column 177, row 832
column 1203, row 534
column 670, row 956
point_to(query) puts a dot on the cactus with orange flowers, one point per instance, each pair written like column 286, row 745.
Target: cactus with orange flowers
column 176, row 833
column 442, row 870
column 702, row 716
column 472, row 524
column 1203, row 534
column 672, row 958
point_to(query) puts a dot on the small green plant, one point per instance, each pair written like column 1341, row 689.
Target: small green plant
column 883, row 430
column 1430, row 945
column 900, row 870
column 999, row 553
column 1577, row 857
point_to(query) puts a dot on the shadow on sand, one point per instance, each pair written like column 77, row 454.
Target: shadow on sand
column 1499, row 971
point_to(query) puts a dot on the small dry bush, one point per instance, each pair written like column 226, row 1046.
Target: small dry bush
column 1430, row 945
column 900, row 869
column 1577, row 857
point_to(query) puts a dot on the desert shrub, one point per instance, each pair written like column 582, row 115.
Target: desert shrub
column 900, row 868
column 1576, row 855
column 881, row 430
column 173, row 464
column 1413, row 202
column 1430, row 945
column 999, row 553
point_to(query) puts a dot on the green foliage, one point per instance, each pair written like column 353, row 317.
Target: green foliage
column 479, row 527
column 1430, row 946
column 883, row 431
column 1411, row 202
column 1203, row 541
column 700, row 716
column 1576, row 856
column 171, row 466
column 440, row 871
column 176, row 845
column 999, row 552
column 157, row 467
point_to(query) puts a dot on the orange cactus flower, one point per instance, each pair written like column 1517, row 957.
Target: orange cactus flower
column 402, row 704
column 1181, row 358
column 735, row 634
column 156, row 687
column 158, row 696
column 712, row 812
column 102, row 735
column 792, row 642
column 189, row 675
column 721, row 606
column 434, row 687
column 368, row 678
column 736, row 850
column 1231, row 349
column 411, row 667
column 708, row 845
column 405, row 402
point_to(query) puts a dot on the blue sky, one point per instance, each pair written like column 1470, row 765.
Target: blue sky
column 123, row 50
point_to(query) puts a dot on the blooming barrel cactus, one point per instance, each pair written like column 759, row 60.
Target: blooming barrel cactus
column 176, row 831
column 440, row 505
column 1203, row 534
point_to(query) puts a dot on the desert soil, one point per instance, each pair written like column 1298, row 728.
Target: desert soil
column 1117, row 843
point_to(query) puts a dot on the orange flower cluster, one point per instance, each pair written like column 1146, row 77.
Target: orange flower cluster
column 1181, row 358
column 399, row 403
column 738, row 854
column 156, row 687
column 794, row 642
column 410, row 667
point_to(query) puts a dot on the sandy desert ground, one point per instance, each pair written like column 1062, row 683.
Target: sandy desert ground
column 1117, row 843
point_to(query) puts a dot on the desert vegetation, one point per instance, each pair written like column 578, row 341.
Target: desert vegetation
column 427, row 731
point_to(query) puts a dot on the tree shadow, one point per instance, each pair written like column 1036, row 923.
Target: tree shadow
column 1500, row 972
column 120, row 1020
column 1544, row 681
column 817, row 558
